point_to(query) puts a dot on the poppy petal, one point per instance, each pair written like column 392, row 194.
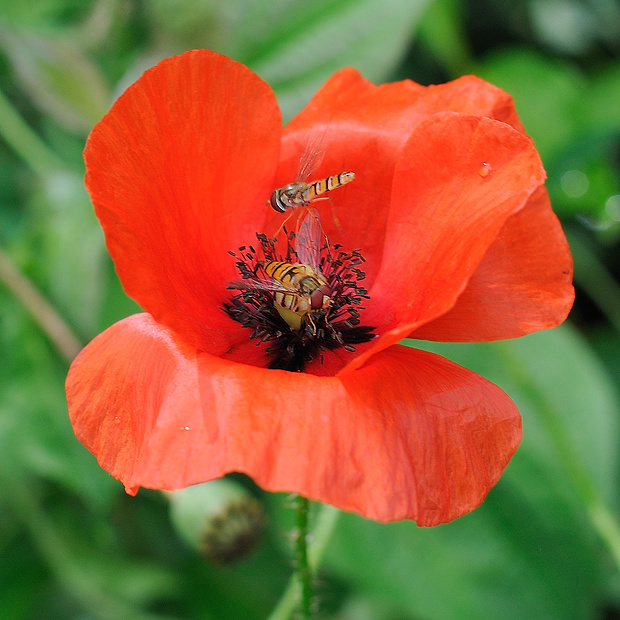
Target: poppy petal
column 411, row 435
column 460, row 177
column 179, row 171
column 353, row 123
column 471, row 95
column 522, row 285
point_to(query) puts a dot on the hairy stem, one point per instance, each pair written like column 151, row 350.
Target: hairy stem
column 325, row 523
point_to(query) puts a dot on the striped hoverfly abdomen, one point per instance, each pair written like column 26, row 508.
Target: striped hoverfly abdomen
column 301, row 194
column 309, row 289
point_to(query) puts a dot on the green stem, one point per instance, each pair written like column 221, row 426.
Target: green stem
column 39, row 308
column 301, row 554
column 325, row 524
column 25, row 142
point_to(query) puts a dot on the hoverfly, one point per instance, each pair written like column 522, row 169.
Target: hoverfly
column 299, row 290
column 305, row 276
column 302, row 291
column 301, row 193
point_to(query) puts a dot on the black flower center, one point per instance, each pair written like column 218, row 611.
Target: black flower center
column 300, row 310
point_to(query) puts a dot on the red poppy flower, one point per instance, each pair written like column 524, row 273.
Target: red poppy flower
column 449, row 211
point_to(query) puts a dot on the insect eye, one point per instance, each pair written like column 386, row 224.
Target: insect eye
column 316, row 300
column 318, row 297
column 273, row 201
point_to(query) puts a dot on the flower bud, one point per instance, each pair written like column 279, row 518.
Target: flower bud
column 220, row 519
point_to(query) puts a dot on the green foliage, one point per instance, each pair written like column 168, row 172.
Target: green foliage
column 61, row 80
column 543, row 544
column 574, row 129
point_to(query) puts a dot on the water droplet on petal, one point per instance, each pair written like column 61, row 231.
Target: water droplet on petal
column 485, row 170
column 117, row 420
column 185, row 428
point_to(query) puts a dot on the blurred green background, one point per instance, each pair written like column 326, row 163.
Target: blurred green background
column 545, row 543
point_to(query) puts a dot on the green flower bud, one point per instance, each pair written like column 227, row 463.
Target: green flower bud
column 220, row 519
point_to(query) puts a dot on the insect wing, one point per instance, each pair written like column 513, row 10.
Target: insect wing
column 310, row 239
column 312, row 156
column 269, row 286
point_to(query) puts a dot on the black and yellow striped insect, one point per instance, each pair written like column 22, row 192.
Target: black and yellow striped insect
column 298, row 291
column 301, row 194
column 298, row 195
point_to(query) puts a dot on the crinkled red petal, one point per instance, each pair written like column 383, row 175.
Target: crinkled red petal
column 470, row 95
column 353, row 125
column 523, row 284
column 179, row 171
column 411, row 435
column 459, row 179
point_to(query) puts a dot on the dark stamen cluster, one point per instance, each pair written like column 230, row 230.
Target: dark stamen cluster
column 337, row 325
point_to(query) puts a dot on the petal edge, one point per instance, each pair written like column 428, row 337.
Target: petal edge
column 411, row 435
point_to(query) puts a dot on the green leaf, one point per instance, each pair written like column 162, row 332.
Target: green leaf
column 42, row 13
column 583, row 179
column 71, row 260
column 296, row 46
column 36, row 439
column 530, row 551
column 550, row 96
column 574, row 28
column 22, row 578
column 187, row 24
column 572, row 123
column 442, row 31
column 604, row 91
column 60, row 79
column 565, row 395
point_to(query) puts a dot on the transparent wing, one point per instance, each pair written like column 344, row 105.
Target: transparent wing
column 310, row 239
column 272, row 286
column 313, row 154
